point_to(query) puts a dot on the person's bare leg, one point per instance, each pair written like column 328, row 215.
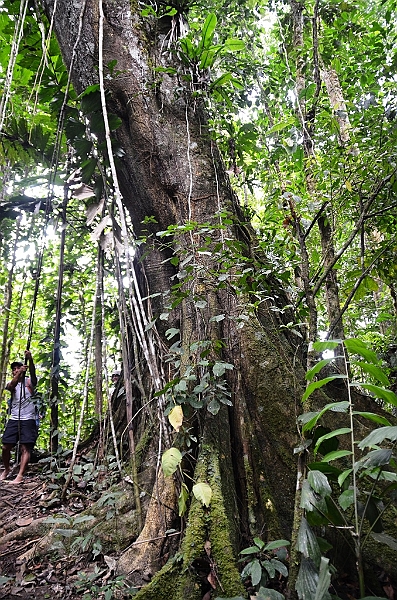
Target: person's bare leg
column 6, row 456
column 25, row 457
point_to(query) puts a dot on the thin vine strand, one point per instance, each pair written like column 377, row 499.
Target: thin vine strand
column 18, row 33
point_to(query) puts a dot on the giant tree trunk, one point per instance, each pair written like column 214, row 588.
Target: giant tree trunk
column 172, row 171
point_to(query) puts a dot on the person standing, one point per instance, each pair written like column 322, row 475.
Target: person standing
column 22, row 424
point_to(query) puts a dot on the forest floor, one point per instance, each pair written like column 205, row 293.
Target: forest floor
column 22, row 574
column 75, row 575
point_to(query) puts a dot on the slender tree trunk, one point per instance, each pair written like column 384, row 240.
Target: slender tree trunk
column 5, row 346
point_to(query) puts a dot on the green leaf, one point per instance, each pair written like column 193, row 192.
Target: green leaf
column 355, row 346
column 324, row 580
column 233, row 45
column 327, row 436
column 187, row 47
column 276, row 544
column 385, row 538
column 315, row 385
column 258, row 542
column 256, row 572
column 170, row 461
column 217, row 318
column 319, row 482
column 346, row 499
column 87, row 169
column 201, row 303
column 83, row 519
column 67, row 533
column 213, row 406
column 375, row 371
column 282, row 125
column 311, row 501
column 208, row 57
column 182, row 500
column 336, row 454
column 269, row 568
column 372, row 417
column 343, row 476
column 269, row 594
column 376, row 458
column 219, row 368
column 379, row 392
column 203, row 493
column 221, row 80
column 91, row 100
column 280, row 567
column 250, row 550
column 308, row 579
column 378, row 436
column 170, row 333
column 208, row 32
column 317, row 368
column 309, row 420
column 329, row 345
column 307, row 542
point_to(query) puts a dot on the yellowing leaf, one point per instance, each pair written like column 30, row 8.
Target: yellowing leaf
column 348, row 186
column 176, row 417
column 203, row 493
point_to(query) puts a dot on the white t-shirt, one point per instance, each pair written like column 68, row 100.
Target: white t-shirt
column 22, row 407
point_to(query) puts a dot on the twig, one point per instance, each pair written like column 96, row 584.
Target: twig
column 19, row 548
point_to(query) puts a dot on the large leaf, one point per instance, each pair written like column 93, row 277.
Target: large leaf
column 376, row 458
column 170, row 461
column 276, row 544
column 346, row 499
column 375, row 371
column 309, row 420
column 233, row 45
column 372, row 417
column 379, row 392
column 336, row 454
column 385, row 538
column 203, row 493
column 208, row 57
column 315, row 385
column 355, row 346
column 378, row 436
column 208, row 32
column 269, row 594
column 331, row 434
column 309, row 584
column 176, row 417
column 314, row 504
column 307, row 542
column 319, row 482
column 324, row 580
column 317, row 368
column 256, row 572
column 282, row 125
column 182, row 500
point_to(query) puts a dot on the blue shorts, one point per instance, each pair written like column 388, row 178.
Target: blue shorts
column 27, row 429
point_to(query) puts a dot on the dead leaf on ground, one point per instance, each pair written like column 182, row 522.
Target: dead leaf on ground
column 23, row 521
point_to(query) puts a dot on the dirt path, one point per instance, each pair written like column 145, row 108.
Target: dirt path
column 22, row 575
